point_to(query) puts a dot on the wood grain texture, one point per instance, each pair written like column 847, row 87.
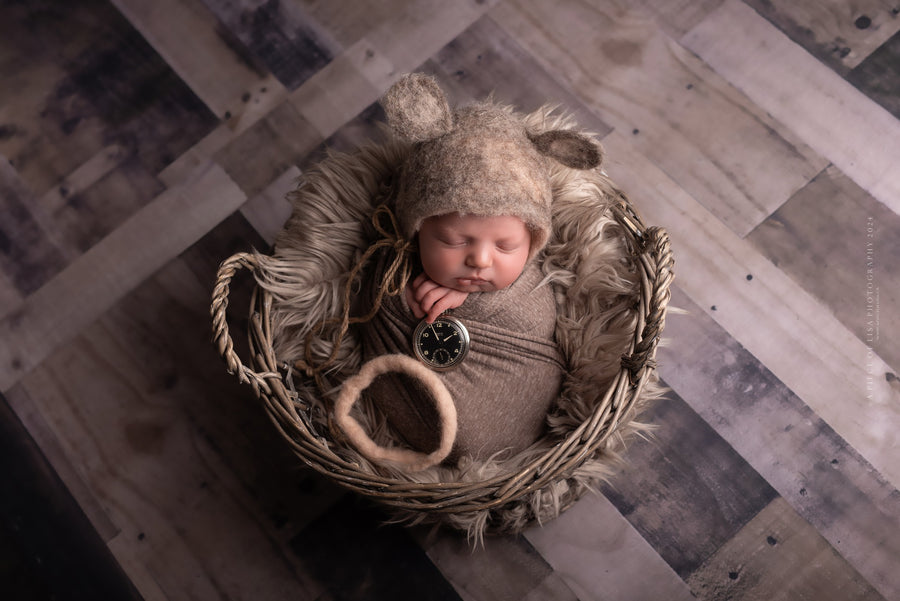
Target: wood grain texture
column 877, row 76
column 82, row 178
column 269, row 148
column 195, row 44
column 343, row 88
column 417, row 33
column 48, row 548
column 138, row 247
column 761, row 563
column 833, row 228
column 268, row 210
column 840, row 34
column 80, row 79
column 279, row 35
column 348, row 22
column 825, row 111
column 28, row 412
column 786, row 328
column 828, row 483
column 10, row 297
column 254, row 106
column 485, row 61
column 677, row 17
column 30, row 255
column 686, row 490
column 506, row 568
column 44, row 235
column 680, row 114
column 551, row 587
column 600, row 555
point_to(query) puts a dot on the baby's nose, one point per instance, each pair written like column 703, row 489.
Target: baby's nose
column 480, row 256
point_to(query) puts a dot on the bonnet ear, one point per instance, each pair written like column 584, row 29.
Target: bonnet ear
column 416, row 108
column 569, row 148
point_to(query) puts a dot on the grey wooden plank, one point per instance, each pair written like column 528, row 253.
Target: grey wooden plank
column 841, row 245
column 552, row 587
column 28, row 256
column 349, row 22
column 761, row 562
column 878, row 77
column 278, row 34
column 600, row 556
column 840, row 34
column 364, row 127
column 269, row 148
column 83, row 78
column 677, row 17
column 815, row 470
column 505, row 568
column 685, row 489
column 485, row 60
column 269, row 210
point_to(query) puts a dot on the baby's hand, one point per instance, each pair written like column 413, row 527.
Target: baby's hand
column 429, row 299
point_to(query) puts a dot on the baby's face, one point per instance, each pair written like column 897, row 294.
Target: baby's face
column 474, row 254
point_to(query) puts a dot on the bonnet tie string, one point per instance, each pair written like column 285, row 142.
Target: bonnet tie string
column 396, row 275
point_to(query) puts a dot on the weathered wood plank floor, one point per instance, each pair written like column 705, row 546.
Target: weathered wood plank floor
column 144, row 142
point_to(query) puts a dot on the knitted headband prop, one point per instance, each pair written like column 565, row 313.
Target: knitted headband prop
column 478, row 160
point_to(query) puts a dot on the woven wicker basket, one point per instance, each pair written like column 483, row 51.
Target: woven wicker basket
column 274, row 385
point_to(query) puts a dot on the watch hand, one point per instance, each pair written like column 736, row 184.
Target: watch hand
column 433, row 331
column 450, row 336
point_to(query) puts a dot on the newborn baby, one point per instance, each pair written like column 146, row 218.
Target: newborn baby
column 475, row 195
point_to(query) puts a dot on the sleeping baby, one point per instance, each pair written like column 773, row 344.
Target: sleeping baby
column 463, row 363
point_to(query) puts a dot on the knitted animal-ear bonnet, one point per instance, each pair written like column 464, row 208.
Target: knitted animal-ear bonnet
column 477, row 160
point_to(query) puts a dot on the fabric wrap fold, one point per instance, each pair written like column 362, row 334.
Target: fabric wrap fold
column 504, row 387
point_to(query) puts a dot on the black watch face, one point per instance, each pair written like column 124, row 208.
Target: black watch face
column 442, row 344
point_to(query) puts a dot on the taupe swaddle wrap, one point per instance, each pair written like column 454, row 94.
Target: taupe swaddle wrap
column 503, row 389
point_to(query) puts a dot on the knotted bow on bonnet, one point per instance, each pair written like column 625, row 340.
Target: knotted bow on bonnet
column 478, row 160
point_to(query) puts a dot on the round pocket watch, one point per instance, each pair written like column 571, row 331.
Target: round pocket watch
column 441, row 345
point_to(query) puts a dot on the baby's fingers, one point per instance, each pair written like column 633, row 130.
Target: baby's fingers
column 431, row 298
column 413, row 304
column 424, row 288
column 451, row 300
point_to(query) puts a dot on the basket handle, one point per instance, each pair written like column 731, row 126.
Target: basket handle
column 217, row 311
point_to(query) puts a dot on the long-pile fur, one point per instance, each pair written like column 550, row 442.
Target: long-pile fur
column 587, row 261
